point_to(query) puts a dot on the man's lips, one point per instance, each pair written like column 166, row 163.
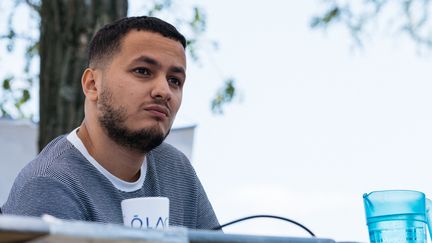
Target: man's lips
column 157, row 110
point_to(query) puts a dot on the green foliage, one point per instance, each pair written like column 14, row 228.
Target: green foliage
column 12, row 99
column 198, row 25
column 198, row 22
column 15, row 91
column 11, row 44
column 159, row 7
column 6, row 83
column 225, row 95
column 331, row 15
column 361, row 17
column 24, row 98
column 32, row 51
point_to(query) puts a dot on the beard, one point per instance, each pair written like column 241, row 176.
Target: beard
column 113, row 120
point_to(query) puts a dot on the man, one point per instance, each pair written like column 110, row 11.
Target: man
column 133, row 88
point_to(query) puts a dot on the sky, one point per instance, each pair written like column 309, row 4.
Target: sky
column 317, row 123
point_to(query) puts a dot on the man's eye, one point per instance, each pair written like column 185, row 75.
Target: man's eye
column 174, row 81
column 142, row 71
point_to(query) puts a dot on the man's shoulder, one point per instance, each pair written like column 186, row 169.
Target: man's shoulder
column 47, row 175
column 52, row 160
column 167, row 157
column 47, row 185
column 167, row 152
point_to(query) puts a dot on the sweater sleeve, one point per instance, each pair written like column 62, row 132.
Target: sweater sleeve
column 206, row 217
column 44, row 195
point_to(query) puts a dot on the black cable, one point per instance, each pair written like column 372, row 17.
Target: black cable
column 265, row 216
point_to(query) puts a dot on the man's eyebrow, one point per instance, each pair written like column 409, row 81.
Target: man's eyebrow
column 154, row 62
column 147, row 59
column 178, row 70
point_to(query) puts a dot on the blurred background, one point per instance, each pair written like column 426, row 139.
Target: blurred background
column 297, row 107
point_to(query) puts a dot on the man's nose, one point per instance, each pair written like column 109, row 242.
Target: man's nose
column 161, row 89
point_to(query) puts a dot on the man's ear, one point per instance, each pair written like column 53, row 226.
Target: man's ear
column 90, row 84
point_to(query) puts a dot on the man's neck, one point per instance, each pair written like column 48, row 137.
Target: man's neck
column 119, row 161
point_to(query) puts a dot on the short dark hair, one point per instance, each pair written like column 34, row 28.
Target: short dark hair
column 106, row 42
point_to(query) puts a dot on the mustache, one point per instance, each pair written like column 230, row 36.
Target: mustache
column 160, row 102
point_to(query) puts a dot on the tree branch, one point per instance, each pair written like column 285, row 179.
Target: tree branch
column 33, row 6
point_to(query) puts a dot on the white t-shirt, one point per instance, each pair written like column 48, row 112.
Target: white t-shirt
column 117, row 182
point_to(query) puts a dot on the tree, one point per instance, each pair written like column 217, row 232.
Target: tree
column 361, row 18
column 66, row 27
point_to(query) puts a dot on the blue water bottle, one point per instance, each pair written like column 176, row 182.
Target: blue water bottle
column 396, row 216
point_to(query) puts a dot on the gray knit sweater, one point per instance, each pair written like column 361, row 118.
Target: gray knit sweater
column 62, row 183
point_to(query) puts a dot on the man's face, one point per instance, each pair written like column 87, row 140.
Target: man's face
column 141, row 90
